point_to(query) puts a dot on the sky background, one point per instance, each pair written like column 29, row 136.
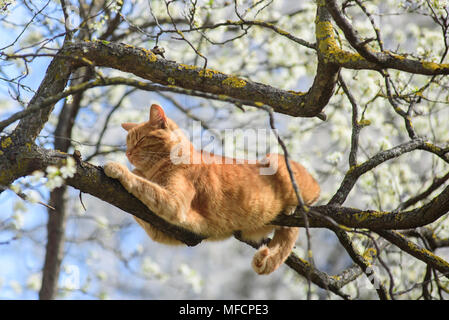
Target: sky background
column 223, row 265
column 121, row 262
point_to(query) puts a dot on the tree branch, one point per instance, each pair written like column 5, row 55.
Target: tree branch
column 370, row 219
column 364, row 262
column 323, row 280
column 54, row 82
column 87, row 179
column 147, row 65
column 29, row 158
column 355, row 172
column 57, row 218
column 437, row 182
column 383, row 59
column 416, row 251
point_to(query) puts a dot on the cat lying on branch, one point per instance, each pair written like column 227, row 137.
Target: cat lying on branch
column 209, row 194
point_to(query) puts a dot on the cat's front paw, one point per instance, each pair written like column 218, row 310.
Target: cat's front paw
column 114, row 170
column 289, row 210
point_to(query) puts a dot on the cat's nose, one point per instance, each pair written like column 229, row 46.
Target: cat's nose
column 128, row 153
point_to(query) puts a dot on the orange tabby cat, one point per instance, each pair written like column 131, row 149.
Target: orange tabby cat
column 211, row 198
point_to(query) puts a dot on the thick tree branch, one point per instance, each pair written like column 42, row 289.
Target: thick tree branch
column 57, row 217
column 103, row 82
column 355, row 172
column 54, row 82
column 380, row 60
column 87, row 179
column 147, row 65
column 370, row 219
column 416, row 251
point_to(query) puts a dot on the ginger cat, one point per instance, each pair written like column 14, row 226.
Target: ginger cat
column 212, row 199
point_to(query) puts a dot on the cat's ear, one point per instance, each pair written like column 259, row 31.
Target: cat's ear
column 128, row 125
column 157, row 116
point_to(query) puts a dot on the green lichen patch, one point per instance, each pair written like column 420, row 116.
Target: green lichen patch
column 368, row 215
column 432, row 66
column 433, row 147
column 170, row 80
column 208, row 73
column 204, row 73
column 149, row 55
column 369, row 254
column 324, row 29
column 364, row 123
column 234, row 82
column 182, row 66
column 298, row 93
column 6, row 142
column 351, row 169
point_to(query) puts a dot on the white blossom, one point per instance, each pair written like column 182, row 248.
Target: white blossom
column 18, row 219
column 191, row 277
column 102, row 222
column 152, row 269
column 54, row 182
column 16, row 286
column 32, row 196
column 37, row 176
column 34, row 281
column 6, row 5
column 69, row 170
column 334, row 157
column 52, row 171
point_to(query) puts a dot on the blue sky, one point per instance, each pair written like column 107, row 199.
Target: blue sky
column 23, row 257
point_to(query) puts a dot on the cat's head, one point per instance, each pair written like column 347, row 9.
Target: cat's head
column 153, row 140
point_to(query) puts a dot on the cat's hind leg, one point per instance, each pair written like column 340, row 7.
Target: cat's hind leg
column 269, row 257
column 258, row 236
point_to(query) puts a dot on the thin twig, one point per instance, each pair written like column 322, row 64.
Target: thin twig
column 24, row 197
column 303, row 208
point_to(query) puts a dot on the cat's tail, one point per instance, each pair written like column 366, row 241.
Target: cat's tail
column 269, row 257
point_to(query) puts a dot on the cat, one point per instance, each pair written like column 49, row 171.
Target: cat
column 211, row 198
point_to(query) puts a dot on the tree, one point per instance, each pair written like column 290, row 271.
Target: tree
column 376, row 96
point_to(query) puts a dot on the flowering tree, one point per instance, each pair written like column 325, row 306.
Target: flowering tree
column 359, row 101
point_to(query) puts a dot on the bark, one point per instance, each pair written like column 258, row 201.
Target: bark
column 377, row 60
column 88, row 178
column 57, row 218
column 55, row 244
column 55, row 80
column 416, row 251
column 147, row 65
column 19, row 156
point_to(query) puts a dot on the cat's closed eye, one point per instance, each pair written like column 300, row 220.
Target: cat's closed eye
column 139, row 141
